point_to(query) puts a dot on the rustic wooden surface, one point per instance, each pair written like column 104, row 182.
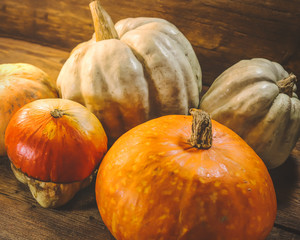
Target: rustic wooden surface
column 222, row 32
column 22, row 218
column 48, row 59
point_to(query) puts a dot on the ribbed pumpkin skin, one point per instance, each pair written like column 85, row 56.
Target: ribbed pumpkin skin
column 246, row 99
column 152, row 184
column 21, row 83
column 151, row 71
column 61, row 149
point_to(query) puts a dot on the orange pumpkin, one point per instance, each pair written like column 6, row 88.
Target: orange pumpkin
column 161, row 180
column 56, row 142
column 21, row 83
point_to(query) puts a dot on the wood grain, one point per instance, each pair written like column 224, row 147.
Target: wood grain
column 222, row 32
column 48, row 59
column 22, row 217
column 280, row 234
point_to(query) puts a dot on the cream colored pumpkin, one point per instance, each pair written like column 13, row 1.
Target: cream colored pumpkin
column 257, row 99
column 151, row 70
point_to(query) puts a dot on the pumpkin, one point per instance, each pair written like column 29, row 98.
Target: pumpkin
column 21, row 83
column 55, row 146
column 139, row 69
column 257, row 99
column 178, row 178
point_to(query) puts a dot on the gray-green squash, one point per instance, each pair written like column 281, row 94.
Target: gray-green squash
column 257, row 99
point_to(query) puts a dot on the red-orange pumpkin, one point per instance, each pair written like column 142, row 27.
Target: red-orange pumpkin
column 160, row 180
column 53, row 143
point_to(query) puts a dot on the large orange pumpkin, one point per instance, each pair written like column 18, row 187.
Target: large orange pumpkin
column 161, row 180
column 55, row 146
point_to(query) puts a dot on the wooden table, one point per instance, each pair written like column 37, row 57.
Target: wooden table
column 22, row 218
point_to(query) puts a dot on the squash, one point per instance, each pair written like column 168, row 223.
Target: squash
column 21, row 83
column 55, row 147
column 139, row 69
column 257, row 99
column 172, row 179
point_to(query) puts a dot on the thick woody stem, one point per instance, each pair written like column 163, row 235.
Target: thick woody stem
column 103, row 25
column 286, row 85
column 201, row 129
column 56, row 113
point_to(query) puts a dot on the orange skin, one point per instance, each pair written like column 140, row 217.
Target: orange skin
column 21, row 83
column 60, row 150
column 152, row 184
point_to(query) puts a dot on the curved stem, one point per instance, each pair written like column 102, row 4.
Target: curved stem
column 286, row 85
column 103, row 25
column 201, row 129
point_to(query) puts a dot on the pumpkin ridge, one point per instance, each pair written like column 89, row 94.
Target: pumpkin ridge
column 109, row 85
column 159, row 70
column 187, row 80
column 162, row 27
column 152, row 92
column 229, row 116
column 232, row 88
column 273, row 131
column 28, row 137
column 73, row 60
column 264, row 115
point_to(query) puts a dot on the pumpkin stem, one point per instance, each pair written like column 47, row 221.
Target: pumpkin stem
column 201, row 129
column 286, row 85
column 56, row 113
column 103, row 25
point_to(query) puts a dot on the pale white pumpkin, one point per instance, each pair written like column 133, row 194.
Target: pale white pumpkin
column 140, row 69
column 257, row 99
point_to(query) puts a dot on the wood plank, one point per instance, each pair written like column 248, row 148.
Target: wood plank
column 222, row 32
column 48, row 59
column 279, row 234
column 22, row 217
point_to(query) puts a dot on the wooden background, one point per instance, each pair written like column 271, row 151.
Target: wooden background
column 222, row 32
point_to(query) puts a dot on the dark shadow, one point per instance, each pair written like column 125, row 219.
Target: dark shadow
column 285, row 178
column 83, row 200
